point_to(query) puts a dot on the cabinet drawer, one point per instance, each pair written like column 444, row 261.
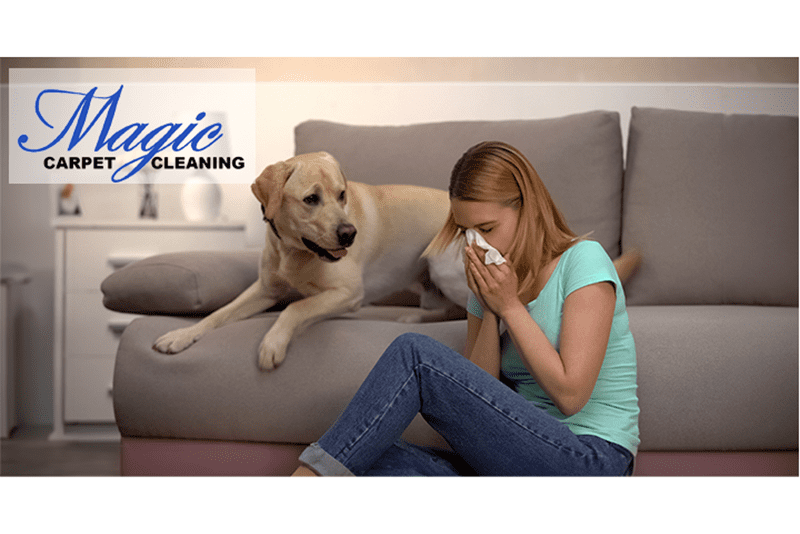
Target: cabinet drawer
column 87, row 395
column 91, row 254
column 91, row 328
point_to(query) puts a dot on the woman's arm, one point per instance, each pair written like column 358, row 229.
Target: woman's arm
column 567, row 377
column 483, row 342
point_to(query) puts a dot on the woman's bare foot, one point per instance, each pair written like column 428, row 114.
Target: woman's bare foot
column 304, row 471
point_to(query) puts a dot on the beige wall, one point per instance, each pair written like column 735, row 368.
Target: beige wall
column 700, row 70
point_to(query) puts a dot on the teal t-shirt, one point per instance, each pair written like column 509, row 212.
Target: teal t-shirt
column 612, row 412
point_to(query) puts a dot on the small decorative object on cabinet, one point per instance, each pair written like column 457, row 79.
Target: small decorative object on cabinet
column 68, row 203
column 86, row 334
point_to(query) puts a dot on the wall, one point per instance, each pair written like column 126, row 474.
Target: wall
column 27, row 238
column 734, row 70
column 571, row 70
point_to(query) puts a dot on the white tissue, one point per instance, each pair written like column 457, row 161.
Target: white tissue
column 492, row 255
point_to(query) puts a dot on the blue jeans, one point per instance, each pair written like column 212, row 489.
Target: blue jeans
column 492, row 430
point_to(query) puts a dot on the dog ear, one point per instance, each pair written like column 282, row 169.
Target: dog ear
column 268, row 187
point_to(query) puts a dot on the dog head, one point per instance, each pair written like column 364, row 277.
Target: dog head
column 304, row 199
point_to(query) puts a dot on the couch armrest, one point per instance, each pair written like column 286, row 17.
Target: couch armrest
column 180, row 283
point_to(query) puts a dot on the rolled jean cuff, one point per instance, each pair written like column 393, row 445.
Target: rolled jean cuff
column 323, row 463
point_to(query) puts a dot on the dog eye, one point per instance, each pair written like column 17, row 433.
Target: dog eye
column 264, row 212
column 342, row 196
column 311, row 200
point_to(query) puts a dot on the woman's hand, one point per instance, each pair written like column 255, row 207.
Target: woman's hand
column 495, row 286
column 473, row 286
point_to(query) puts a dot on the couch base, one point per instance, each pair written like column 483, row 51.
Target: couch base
column 716, row 463
column 177, row 457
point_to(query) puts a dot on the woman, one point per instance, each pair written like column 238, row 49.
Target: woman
column 547, row 384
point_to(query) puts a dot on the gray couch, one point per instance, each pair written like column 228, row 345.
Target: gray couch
column 709, row 199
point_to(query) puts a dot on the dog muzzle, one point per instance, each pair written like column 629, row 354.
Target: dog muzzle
column 325, row 254
column 346, row 235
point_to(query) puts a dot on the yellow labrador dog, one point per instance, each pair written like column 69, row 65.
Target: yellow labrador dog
column 337, row 243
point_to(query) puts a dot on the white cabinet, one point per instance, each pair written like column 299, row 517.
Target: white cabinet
column 86, row 333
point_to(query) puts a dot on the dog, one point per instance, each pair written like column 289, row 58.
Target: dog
column 338, row 244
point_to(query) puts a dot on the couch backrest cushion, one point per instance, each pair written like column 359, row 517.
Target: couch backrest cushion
column 579, row 158
column 711, row 201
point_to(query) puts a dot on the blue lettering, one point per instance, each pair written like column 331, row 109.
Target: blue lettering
column 161, row 142
column 128, row 143
column 181, row 137
column 78, row 117
column 211, row 132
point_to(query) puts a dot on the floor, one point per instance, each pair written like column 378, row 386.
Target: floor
column 29, row 453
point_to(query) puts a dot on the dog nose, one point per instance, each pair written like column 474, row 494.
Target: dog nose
column 347, row 234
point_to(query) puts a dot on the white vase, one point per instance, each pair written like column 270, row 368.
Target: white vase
column 201, row 199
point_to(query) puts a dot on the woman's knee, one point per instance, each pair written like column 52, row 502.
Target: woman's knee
column 410, row 339
column 420, row 348
column 415, row 343
column 404, row 345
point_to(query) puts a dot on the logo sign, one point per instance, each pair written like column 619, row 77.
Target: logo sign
column 131, row 125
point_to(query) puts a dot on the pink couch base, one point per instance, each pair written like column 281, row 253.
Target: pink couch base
column 716, row 463
column 177, row 457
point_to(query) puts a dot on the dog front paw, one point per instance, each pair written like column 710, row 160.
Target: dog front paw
column 177, row 340
column 271, row 353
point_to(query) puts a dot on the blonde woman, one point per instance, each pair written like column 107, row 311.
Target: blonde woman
column 547, row 384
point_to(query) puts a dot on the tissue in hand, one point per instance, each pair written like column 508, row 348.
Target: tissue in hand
column 492, row 255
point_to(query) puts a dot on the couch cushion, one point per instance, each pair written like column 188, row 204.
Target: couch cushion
column 180, row 282
column 711, row 201
column 214, row 389
column 716, row 377
column 710, row 378
column 579, row 158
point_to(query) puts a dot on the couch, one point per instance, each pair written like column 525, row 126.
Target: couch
column 709, row 199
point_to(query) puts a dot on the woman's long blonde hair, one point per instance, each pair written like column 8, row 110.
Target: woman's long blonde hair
column 495, row 171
